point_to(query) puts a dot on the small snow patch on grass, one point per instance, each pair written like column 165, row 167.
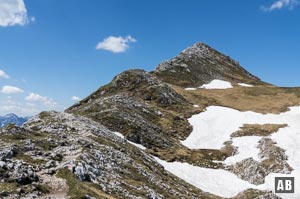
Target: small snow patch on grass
column 245, row 85
column 190, row 89
column 217, row 84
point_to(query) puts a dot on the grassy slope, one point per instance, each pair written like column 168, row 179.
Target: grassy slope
column 261, row 99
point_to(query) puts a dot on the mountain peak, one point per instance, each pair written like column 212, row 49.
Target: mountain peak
column 11, row 115
column 198, row 49
column 12, row 118
column 200, row 64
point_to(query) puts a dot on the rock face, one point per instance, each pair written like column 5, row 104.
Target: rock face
column 201, row 64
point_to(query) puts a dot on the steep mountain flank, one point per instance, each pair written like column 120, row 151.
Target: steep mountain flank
column 88, row 161
column 137, row 104
column 201, row 64
column 59, row 155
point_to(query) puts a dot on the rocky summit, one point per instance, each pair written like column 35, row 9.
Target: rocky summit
column 131, row 137
column 201, row 64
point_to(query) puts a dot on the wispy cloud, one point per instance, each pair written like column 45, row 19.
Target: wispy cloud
column 13, row 12
column 11, row 90
column 280, row 4
column 33, row 97
column 75, row 98
column 115, row 44
column 3, row 75
column 19, row 110
column 16, row 100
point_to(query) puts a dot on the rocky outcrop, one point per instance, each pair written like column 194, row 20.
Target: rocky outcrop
column 201, row 64
column 91, row 160
column 140, row 106
column 138, row 84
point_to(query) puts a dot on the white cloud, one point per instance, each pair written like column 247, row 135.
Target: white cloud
column 3, row 75
column 20, row 110
column 30, row 104
column 33, row 97
column 280, row 4
column 115, row 44
column 11, row 90
column 11, row 101
column 10, row 107
column 13, row 12
column 75, row 98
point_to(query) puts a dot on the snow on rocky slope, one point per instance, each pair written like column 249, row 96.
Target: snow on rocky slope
column 215, row 126
column 59, row 155
column 215, row 181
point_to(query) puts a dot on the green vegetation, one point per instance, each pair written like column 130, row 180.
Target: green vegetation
column 258, row 130
column 46, row 145
column 9, row 187
column 9, row 126
column 24, row 136
column 44, row 114
column 28, row 159
column 250, row 194
column 43, row 188
column 259, row 91
column 78, row 189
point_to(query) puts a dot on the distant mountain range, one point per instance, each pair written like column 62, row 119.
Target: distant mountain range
column 12, row 119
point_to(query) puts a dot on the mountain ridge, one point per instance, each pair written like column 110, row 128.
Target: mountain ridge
column 12, row 118
column 126, row 138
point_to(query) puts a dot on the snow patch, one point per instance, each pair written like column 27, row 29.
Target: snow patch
column 215, row 181
column 190, row 89
column 217, row 84
column 245, row 85
column 137, row 145
column 247, row 147
column 132, row 143
column 214, row 126
column 119, row 134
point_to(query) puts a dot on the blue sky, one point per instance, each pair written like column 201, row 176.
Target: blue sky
column 53, row 50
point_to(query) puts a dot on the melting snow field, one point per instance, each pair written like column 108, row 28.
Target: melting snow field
column 214, row 126
column 246, row 147
column 217, row 84
column 218, row 182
